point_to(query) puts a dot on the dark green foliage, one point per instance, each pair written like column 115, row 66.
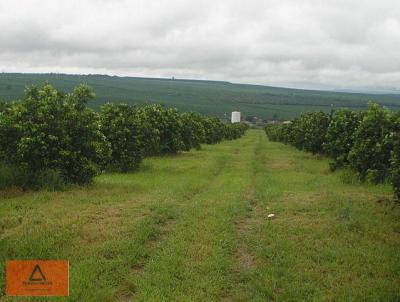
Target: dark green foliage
column 214, row 130
column 52, row 131
column 305, row 133
column 166, row 125
column 8, row 131
column 370, row 153
column 368, row 142
column 395, row 156
column 315, row 126
column 124, row 130
column 234, row 131
column 193, row 132
column 295, row 133
column 3, row 106
column 13, row 176
column 340, row 136
column 276, row 132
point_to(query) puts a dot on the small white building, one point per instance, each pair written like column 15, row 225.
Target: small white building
column 235, row 117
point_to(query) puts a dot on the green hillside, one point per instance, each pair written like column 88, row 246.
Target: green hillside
column 207, row 97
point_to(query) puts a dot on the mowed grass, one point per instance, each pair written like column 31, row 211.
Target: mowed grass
column 194, row 227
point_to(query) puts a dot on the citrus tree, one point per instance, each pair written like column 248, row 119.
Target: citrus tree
column 371, row 150
column 234, row 131
column 124, row 130
column 314, row 126
column 193, row 132
column 214, row 130
column 395, row 156
column 165, row 126
column 49, row 130
column 340, row 136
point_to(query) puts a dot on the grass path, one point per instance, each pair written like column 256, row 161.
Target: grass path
column 194, row 227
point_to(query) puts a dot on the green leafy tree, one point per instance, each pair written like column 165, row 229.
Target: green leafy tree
column 277, row 132
column 125, row 131
column 314, row 126
column 395, row 156
column 49, row 130
column 9, row 132
column 214, row 130
column 295, row 133
column 193, row 133
column 340, row 136
column 234, row 131
column 371, row 150
column 166, row 126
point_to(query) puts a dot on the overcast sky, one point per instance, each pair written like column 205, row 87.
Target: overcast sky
column 332, row 44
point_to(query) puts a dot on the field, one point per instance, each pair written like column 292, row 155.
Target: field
column 206, row 97
column 194, row 227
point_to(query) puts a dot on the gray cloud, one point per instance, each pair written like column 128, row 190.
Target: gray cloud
column 307, row 44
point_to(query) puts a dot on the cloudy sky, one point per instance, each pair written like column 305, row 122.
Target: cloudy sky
column 324, row 44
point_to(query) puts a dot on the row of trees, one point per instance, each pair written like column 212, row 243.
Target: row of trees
column 49, row 132
column 366, row 141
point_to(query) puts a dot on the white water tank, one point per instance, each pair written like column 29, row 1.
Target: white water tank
column 235, row 117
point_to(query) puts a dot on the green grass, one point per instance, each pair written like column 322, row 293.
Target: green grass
column 194, row 227
column 207, row 97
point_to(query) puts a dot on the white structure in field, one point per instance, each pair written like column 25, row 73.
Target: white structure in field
column 235, row 117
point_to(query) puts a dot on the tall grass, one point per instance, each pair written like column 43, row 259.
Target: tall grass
column 12, row 176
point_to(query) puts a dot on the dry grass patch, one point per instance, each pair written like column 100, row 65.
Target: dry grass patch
column 108, row 221
column 244, row 259
column 11, row 192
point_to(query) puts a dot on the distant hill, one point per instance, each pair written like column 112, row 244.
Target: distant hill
column 207, row 97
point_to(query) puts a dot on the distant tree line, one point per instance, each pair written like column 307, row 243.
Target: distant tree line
column 368, row 141
column 50, row 138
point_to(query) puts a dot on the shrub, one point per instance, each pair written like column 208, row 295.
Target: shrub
column 124, row 130
column 371, row 150
column 275, row 132
column 165, row 127
column 234, row 131
column 314, row 126
column 395, row 157
column 193, row 132
column 52, row 131
column 9, row 133
column 214, row 130
column 295, row 133
column 340, row 136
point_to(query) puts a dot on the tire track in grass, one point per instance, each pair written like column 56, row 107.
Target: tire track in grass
column 195, row 260
column 154, row 231
column 151, row 241
column 246, row 262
